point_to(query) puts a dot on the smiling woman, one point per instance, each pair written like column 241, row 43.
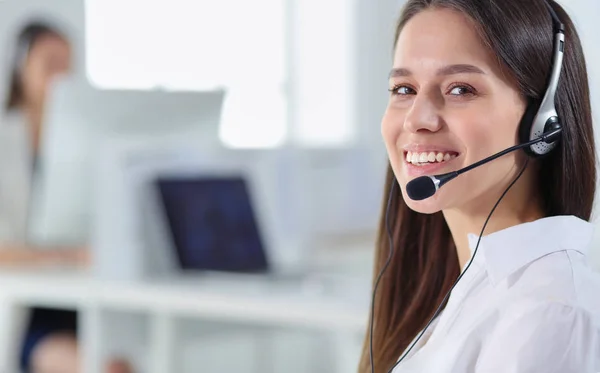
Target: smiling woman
column 467, row 80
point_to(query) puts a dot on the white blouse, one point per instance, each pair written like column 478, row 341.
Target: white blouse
column 529, row 303
column 15, row 178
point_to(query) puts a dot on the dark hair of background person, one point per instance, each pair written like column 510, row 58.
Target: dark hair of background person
column 26, row 40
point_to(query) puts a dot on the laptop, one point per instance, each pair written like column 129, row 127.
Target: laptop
column 212, row 224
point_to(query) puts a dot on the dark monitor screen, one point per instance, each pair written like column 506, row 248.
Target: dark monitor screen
column 213, row 224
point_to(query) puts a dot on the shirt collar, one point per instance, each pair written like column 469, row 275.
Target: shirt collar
column 506, row 251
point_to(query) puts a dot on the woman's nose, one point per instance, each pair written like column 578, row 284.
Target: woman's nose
column 423, row 116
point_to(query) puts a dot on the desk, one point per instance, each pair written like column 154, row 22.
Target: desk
column 253, row 302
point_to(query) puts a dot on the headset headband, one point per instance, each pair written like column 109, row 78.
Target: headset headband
column 546, row 116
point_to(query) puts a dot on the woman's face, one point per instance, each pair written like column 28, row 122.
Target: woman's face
column 49, row 56
column 450, row 105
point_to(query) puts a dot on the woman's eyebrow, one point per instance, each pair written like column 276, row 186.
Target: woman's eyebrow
column 445, row 70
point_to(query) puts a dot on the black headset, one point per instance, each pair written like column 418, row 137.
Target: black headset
column 540, row 120
column 541, row 117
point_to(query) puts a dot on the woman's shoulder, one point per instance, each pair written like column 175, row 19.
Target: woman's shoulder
column 564, row 279
column 586, row 284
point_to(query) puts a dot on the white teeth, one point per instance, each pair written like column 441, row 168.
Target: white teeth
column 428, row 157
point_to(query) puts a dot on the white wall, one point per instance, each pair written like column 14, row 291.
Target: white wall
column 375, row 28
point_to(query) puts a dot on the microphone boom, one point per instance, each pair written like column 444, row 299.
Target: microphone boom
column 424, row 187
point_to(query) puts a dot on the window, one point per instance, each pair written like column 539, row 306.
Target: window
column 194, row 45
column 325, row 78
column 281, row 61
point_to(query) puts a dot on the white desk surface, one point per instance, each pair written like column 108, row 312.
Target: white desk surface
column 219, row 298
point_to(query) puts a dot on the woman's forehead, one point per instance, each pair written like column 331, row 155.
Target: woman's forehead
column 441, row 36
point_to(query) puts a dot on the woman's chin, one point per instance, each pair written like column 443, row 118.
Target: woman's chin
column 424, row 207
column 429, row 205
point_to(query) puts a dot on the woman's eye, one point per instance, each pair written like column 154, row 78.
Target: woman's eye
column 461, row 90
column 457, row 90
column 402, row 90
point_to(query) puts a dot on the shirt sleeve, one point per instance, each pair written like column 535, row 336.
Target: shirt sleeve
column 548, row 338
column 15, row 182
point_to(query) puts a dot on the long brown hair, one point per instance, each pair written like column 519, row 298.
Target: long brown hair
column 425, row 263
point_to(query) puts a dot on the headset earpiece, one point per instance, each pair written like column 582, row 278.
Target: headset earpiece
column 525, row 126
column 553, row 126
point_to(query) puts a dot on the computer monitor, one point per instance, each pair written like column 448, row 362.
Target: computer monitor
column 133, row 237
column 213, row 223
column 78, row 119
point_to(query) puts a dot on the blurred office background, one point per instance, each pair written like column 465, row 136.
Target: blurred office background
column 171, row 110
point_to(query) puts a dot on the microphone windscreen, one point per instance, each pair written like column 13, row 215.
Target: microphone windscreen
column 420, row 188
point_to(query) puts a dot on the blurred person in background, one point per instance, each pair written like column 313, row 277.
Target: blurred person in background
column 42, row 53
